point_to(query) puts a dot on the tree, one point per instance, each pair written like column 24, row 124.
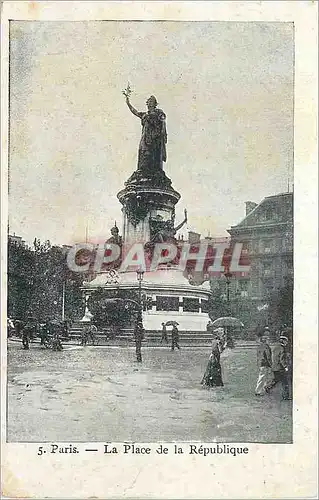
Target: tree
column 285, row 303
column 281, row 305
column 217, row 303
column 37, row 279
column 20, row 280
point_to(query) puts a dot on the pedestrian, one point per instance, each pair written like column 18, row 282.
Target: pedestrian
column 65, row 329
column 230, row 343
column 27, row 333
column 175, row 338
column 209, row 327
column 280, row 367
column 56, row 339
column 44, row 334
column 56, row 342
column 264, row 365
column 92, row 331
column 138, row 336
column 164, row 334
column 26, row 338
column 84, row 335
column 18, row 325
column 213, row 373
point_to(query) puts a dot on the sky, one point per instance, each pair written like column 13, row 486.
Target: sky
column 225, row 87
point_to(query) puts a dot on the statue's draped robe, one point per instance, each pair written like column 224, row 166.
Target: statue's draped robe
column 152, row 148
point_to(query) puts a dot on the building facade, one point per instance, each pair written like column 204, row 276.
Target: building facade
column 266, row 233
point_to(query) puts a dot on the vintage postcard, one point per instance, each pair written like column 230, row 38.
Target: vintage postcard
column 158, row 225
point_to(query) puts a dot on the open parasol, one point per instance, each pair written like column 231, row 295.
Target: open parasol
column 171, row 323
column 227, row 321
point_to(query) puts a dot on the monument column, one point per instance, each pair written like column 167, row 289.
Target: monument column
column 148, row 198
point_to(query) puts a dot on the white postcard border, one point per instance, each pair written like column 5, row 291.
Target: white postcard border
column 267, row 471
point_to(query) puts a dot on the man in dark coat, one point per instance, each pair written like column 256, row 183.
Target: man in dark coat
column 44, row 334
column 26, row 337
column 209, row 327
column 139, row 336
column 175, row 338
column 92, row 332
column 85, row 335
column 280, row 367
column 164, row 334
column 56, row 338
column 28, row 333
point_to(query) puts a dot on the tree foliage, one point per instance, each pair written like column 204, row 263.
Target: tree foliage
column 281, row 305
column 38, row 278
column 218, row 306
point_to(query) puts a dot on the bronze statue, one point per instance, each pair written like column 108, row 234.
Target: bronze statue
column 167, row 233
column 115, row 239
column 152, row 148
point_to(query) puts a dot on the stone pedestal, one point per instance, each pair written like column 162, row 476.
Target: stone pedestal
column 146, row 206
column 166, row 285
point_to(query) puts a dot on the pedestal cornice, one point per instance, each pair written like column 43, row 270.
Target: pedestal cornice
column 146, row 192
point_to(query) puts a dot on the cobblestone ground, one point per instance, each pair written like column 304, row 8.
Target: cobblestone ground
column 102, row 394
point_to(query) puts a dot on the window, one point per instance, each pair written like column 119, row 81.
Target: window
column 245, row 248
column 243, row 288
column 255, row 246
column 289, row 263
column 167, row 303
column 287, row 242
column 204, row 306
column 268, row 286
column 289, row 267
column 243, row 285
column 147, row 302
column 269, row 214
column 190, row 304
column 267, row 246
column 267, row 267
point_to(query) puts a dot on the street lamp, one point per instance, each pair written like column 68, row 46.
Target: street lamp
column 140, row 275
column 139, row 321
column 228, row 277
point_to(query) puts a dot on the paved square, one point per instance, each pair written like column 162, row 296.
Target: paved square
column 102, row 394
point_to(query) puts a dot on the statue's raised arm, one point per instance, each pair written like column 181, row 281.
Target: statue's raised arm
column 132, row 109
column 177, row 228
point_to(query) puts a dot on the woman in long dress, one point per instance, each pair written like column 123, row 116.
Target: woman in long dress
column 213, row 374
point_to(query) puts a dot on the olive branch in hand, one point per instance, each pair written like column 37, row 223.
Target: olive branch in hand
column 128, row 91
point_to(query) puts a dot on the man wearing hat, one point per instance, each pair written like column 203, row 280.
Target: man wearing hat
column 164, row 334
column 280, row 366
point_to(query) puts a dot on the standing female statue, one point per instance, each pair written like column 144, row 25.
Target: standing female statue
column 152, row 148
